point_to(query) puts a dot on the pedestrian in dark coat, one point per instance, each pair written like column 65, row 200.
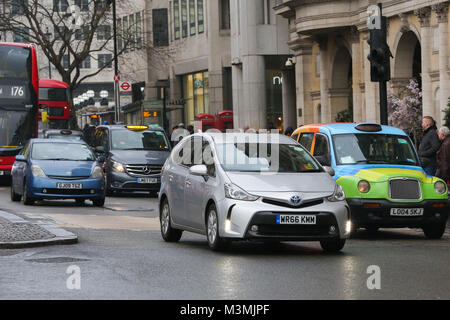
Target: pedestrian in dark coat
column 429, row 146
column 443, row 155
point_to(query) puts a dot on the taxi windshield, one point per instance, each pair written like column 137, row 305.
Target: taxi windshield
column 139, row 140
column 371, row 148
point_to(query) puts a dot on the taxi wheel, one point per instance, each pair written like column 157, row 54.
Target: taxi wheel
column 215, row 242
column 14, row 196
column 332, row 245
column 27, row 200
column 435, row 230
column 168, row 233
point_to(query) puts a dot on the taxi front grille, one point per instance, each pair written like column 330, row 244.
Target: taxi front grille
column 404, row 189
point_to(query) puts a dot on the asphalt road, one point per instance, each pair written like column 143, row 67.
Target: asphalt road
column 120, row 255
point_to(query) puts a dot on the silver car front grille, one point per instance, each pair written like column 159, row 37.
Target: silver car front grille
column 143, row 170
column 404, row 189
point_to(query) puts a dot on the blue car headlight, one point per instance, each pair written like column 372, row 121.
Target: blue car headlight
column 97, row 173
column 37, row 171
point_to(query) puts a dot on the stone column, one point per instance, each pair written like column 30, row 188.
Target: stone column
column 356, row 65
column 254, row 85
column 324, row 99
column 441, row 11
column 427, row 37
column 289, row 99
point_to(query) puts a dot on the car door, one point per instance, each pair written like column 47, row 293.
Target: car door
column 177, row 172
column 198, row 188
column 19, row 170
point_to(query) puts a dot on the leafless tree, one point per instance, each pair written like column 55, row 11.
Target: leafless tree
column 67, row 33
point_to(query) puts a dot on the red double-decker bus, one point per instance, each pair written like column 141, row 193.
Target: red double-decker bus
column 54, row 99
column 19, row 92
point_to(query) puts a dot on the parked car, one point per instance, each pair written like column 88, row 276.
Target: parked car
column 63, row 134
column 57, row 169
column 134, row 156
column 381, row 174
column 230, row 190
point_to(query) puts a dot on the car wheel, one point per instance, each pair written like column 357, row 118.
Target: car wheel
column 108, row 190
column 168, row 233
column 99, row 202
column 79, row 202
column 215, row 242
column 332, row 245
column 27, row 200
column 435, row 230
column 372, row 229
column 14, row 196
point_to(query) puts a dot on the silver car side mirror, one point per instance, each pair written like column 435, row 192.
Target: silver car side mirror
column 198, row 170
column 329, row 170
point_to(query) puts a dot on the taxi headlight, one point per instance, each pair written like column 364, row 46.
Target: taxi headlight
column 440, row 187
column 363, row 186
column 338, row 195
column 117, row 166
column 232, row 191
column 97, row 173
column 37, row 171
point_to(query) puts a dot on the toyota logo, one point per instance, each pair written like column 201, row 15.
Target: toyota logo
column 147, row 170
column 295, row 200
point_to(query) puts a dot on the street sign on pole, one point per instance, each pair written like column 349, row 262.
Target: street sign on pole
column 125, row 87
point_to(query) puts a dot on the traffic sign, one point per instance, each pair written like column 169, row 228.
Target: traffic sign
column 125, row 87
column 116, row 78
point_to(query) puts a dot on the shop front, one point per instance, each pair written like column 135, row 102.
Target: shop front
column 195, row 95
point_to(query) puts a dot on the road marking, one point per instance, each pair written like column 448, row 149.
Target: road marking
column 105, row 222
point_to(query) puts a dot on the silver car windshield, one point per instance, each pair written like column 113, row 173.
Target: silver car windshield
column 62, row 151
column 266, row 157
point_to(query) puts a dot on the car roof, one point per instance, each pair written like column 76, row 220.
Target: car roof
column 341, row 128
column 39, row 140
column 53, row 131
column 124, row 127
column 224, row 137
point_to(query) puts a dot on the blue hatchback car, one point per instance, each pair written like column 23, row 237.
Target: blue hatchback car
column 57, row 169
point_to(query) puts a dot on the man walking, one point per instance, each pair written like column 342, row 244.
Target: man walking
column 443, row 155
column 429, row 146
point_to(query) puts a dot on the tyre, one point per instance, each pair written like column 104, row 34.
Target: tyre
column 215, row 242
column 108, row 190
column 168, row 233
column 14, row 196
column 79, row 202
column 372, row 229
column 27, row 200
column 435, row 230
column 99, row 202
column 332, row 245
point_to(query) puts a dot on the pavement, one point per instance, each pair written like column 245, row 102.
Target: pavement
column 16, row 232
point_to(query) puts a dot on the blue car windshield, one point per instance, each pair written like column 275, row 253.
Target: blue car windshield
column 62, row 151
column 374, row 148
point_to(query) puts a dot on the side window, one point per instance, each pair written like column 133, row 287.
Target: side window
column 105, row 140
column 26, row 151
column 321, row 146
column 185, row 153
column 295, row 137
column 95, row 138
column 208, row 159
column 306, row 140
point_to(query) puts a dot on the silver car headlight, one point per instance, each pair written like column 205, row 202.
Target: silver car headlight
column 338, row 195
column 232, row 191
column 117, row 166
column 37, row 171
column 97, row 173
column 440, row 187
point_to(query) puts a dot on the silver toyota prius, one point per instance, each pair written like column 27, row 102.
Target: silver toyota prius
column 245, row 186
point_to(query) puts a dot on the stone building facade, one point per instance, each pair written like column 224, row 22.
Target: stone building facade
column 329, row 42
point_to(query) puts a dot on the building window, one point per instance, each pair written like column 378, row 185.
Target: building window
column 82, row 33
column 184, row 18
column 195, row 94
column 317, row 65
column 160, row 28
column 224, row 14
column 17, row 6
column 105, row 61
column 59, row 5
column 83, row 4
column 104, row 32
column 131, row 34
column 435, row 39
column 65, row 61
column 125, row 34
column 176, row 18
column 86, row 64
column 23, row 35
column 61, row 32
column 139, row 30
column 200, row 17
column 192, row 27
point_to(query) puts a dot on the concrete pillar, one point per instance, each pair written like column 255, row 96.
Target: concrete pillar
column 289, row 99
column 254, row 86
column 356, row 65
column 324, row 100
column 238, row 114
column 441, row 11
column 427, row 37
